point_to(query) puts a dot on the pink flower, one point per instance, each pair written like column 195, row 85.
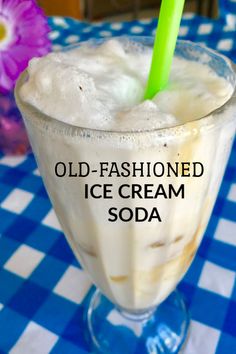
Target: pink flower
column 23, row 35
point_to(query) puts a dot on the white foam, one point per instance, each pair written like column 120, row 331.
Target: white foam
column 143, row 115
column 103, row 87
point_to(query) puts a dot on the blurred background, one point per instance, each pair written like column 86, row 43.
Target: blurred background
column 120, row 10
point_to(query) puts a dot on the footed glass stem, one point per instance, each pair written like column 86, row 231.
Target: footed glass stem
column 160, row 330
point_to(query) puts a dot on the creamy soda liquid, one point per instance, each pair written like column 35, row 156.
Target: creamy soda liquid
column 85, row 105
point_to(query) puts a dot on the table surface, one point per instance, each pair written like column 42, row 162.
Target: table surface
column 44, row 291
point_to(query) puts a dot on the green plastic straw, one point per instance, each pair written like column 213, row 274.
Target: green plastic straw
column 164, row 46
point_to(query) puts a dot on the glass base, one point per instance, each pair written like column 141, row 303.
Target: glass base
column 160, row 330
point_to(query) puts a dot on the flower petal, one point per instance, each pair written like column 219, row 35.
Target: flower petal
column 11, row 67
column 17, row 8
column 21, row 54
column 37, row 38
column 6, row 84
column 22, row 11
column 28, row 28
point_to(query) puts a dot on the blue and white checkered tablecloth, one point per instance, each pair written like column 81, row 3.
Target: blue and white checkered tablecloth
column 44, row 291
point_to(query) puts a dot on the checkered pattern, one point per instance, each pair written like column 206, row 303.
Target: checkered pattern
column 43, row 290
